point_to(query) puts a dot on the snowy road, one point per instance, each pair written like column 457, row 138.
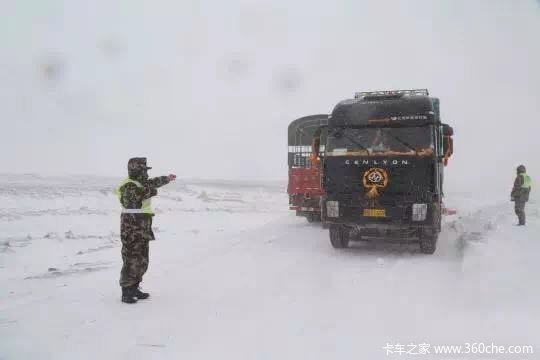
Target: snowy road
column 233, row 275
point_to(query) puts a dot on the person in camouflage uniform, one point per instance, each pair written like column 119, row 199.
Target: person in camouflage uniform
column 134, row 194
column 520, row 193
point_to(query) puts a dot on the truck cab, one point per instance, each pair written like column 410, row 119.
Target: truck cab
column 382, row 168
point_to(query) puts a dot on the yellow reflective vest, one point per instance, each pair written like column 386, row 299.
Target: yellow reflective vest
column 146, row 207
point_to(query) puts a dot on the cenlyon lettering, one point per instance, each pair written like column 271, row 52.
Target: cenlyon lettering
column 385, row 162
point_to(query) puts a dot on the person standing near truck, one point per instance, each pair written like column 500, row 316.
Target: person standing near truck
column 134, row 194
column 520, row 193
column 448, row 142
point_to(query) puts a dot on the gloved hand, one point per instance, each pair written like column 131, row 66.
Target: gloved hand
column 172, row 177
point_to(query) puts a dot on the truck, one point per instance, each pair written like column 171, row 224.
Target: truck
column 304, row 185
column 381, row 157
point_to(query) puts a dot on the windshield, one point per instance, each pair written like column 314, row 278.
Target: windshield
column 380, row 141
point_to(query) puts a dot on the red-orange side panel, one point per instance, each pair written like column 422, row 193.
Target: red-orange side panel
column 304, row 181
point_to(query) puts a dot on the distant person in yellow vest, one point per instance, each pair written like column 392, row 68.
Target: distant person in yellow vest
column 520, row 193
column 134, row 194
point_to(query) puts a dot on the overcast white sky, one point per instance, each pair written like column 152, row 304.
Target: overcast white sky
column 207, row 88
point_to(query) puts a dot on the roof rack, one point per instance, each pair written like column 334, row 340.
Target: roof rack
column 386, row 93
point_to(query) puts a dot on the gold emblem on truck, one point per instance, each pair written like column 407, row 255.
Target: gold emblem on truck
column 375, row 179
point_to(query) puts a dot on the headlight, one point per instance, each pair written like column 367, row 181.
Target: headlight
column 419, row 212
column 332, row 209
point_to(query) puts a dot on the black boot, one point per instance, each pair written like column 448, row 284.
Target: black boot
column 128, row 296
column 139, row 294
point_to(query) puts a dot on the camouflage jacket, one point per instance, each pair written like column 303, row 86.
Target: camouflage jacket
column 131, row 197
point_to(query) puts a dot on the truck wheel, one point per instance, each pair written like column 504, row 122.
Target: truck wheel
column 428, row 243
column 339, row 236
column 313, row 217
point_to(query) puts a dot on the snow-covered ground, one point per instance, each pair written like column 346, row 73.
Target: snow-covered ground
column 235, row 275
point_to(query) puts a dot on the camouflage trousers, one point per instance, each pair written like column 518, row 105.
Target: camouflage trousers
column 135, row 257
column 519, row 208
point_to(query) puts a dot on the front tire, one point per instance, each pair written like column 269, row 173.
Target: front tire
column 339, row 236
column 428, row 242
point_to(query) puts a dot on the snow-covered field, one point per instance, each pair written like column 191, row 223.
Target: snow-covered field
column 235, row 275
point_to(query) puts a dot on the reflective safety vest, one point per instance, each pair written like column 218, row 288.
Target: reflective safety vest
column 526, row 181
column 146, row 207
